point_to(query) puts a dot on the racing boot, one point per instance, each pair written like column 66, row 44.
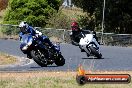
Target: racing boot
column 82, row 50
column 29, row 56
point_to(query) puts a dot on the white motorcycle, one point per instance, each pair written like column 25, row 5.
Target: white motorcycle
column 89, row 44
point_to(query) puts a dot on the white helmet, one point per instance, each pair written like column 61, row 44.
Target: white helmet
column 23, row 26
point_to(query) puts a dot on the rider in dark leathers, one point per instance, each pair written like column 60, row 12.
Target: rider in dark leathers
column 75, row 34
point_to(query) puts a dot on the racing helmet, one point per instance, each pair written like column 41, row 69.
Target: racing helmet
column 74, row 26
column 23, row 26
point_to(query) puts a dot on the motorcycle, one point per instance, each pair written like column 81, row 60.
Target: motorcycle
column 41, row 52
column 89, row 44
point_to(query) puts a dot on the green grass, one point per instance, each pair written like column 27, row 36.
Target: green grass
column 73, row 12
column 53, row 82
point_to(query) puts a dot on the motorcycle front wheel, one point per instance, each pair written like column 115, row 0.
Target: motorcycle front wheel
column 95, row 52
column 36, row 55
column 60, row 61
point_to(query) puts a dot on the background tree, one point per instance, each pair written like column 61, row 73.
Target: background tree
column 35, row 12
column 118, row 14
column 89, row 6
column 3, row 4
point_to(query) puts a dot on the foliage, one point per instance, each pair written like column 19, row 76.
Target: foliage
column 9, row 30
column 86, row 21
column 35, row 12
column 59, row 20
column 118, row 16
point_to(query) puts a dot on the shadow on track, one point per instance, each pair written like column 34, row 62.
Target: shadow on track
column 43, row 67
column 92, row 58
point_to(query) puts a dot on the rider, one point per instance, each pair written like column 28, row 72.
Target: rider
column 76, row 32
column 25, row 28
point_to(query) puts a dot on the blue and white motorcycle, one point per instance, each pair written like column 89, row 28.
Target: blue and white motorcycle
column 41, row 52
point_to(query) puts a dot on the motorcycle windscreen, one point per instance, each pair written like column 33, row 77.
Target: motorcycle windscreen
column 26, row 38
column 88, row 38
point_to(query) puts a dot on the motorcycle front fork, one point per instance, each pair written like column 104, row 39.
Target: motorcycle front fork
column 85, row 49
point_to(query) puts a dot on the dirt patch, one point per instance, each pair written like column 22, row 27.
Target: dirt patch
column 55, row 39
column 6, row 59
column 35, row 74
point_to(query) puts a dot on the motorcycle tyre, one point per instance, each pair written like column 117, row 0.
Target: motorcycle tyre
column 95, row 52
column 60, row 61
column 38, row 60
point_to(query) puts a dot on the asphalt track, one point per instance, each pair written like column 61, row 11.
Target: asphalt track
column 114, row 58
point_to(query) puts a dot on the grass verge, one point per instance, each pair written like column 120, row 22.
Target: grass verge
column 73, row 12
column 52, row 80
column 6, row 59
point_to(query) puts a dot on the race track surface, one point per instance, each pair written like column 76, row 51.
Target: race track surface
column 114, row 58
